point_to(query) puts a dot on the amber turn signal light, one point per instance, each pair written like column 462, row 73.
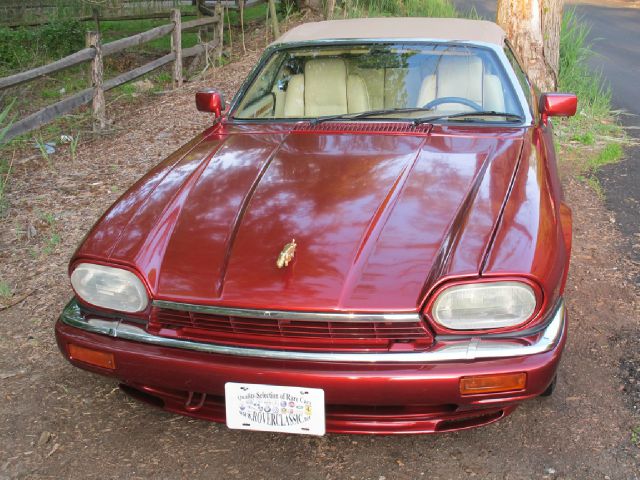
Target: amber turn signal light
column 92, row 357
column 492, row 383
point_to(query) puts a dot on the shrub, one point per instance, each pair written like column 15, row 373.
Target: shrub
column 401, row 8
column 24, row 47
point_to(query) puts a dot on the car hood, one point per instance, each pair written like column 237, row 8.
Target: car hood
column 378, row 218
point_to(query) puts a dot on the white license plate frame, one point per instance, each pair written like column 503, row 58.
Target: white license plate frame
column 274, row 408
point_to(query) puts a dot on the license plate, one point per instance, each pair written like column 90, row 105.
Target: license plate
column 270, row 408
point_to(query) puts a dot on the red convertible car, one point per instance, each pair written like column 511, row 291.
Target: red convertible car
column 371, row 238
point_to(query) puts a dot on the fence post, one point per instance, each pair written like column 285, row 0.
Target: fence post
column 99, row 118
column 219, row 32
column 176, row 47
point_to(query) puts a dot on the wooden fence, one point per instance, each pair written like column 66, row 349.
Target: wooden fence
column 95, row 53
column 206, row 7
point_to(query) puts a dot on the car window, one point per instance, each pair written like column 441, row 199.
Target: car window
column 310, row 82
column 522, row 77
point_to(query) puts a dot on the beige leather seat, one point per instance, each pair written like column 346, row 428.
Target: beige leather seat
column 325, row 88
column 462, row 76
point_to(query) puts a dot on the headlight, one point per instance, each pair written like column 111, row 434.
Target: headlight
column 479, row 306
column 109, row 287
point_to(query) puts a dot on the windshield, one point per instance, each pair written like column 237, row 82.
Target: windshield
column 418, row 80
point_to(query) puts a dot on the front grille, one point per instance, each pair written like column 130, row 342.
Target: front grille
column 292, row 334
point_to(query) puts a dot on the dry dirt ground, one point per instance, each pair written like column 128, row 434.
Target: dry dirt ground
column 59, row 422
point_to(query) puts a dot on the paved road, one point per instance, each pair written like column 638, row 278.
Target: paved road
column 615, row 35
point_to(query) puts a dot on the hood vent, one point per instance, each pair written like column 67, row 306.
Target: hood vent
column 384, row 128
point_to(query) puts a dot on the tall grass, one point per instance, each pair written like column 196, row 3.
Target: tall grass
column 575, row 75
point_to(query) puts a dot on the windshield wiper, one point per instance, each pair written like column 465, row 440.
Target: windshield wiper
column 511, row 117
column 371, row 113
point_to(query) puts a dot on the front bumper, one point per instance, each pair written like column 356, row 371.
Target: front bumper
column 404, row 392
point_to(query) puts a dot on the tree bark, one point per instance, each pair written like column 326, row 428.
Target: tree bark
column 99, row 115
column 533, row 28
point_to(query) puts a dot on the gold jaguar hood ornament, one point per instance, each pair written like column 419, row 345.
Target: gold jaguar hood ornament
column 287, row 253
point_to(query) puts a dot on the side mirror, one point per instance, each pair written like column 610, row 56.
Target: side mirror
column 557, row 105
column 211, row 101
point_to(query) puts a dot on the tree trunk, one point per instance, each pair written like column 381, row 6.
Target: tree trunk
column 241, row 7
column 533, row 28
column 274, row 19
column 331, row 6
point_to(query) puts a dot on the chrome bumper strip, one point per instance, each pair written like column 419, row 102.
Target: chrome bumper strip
column 469, row 349
column 290, row 315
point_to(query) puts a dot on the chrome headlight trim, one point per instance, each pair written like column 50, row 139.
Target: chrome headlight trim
column 108, row 287
column 484, row 305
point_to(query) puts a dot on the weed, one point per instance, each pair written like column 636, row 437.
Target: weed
column 5, row 166
column 164, row 77
column 609, row 154
column 49, row 218
column 42, row 146
column 587, row 138
column 73, row 146
column 128, row 89
column 5, row 290
column 635, row 435
column 594, row 183
column 52, row 242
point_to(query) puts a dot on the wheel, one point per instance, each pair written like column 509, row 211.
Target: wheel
column 552, row 386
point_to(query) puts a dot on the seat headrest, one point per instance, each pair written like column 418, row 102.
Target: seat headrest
column 460, row 76
column 325, row 86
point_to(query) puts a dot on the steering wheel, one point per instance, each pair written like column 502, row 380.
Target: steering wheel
column 464, row 101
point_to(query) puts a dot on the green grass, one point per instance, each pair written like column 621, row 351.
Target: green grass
column 635, row 436
column 5, row 165
column 594, row 119
column 5, row 290
column 575, row 75
column 600, row 137
column 400, row 8
column 611, row 153
column 587, row 138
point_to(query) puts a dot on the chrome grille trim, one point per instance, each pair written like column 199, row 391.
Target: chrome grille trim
column 289, row 315
column 473, row 348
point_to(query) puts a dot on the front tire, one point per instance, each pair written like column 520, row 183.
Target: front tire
column 550, row 389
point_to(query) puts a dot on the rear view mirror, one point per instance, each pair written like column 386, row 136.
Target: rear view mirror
column 211, row 101
column 557, row 105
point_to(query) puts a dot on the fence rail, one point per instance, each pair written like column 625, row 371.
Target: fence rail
column 95, row 53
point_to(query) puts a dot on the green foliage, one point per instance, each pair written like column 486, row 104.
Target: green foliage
column 25, row 47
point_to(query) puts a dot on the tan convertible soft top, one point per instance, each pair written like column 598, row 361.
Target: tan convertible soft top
column 404, row 27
